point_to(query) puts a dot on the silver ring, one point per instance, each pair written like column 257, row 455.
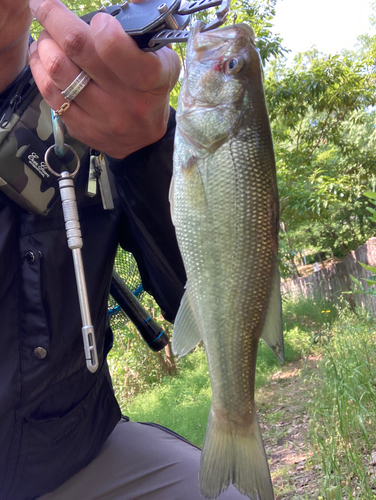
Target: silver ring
column 76, row 86
column 56, row 174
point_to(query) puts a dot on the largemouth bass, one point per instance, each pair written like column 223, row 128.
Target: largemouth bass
column 224, row 203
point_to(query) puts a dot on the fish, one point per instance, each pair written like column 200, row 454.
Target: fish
column 224, row 206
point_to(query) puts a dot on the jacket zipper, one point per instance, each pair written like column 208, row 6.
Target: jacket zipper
column 18, row 98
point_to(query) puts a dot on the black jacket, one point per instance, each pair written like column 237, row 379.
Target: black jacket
column 55, row 414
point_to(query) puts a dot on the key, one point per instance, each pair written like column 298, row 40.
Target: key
column 91, row 188
column 98, row 174
column 104, row 184
column 73, row 230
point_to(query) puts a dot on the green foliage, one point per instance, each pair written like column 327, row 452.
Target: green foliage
column 343, row 408
column 371, row 281
column 180, row 403
column 134, row 366
column 84, row 6
column 309, row 314
column 259, row 15
column 322, row 112
column 372, row 198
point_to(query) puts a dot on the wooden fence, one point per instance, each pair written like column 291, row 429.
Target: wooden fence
column 331, row 281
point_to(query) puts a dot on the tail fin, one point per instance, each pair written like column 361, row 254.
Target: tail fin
column 228, row 457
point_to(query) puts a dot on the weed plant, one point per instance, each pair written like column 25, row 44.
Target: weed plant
column 181, row 403
column 343, row 409
column 134, row 366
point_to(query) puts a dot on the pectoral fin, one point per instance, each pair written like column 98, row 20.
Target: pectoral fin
column 171, row 199
column 272, row 333
column 186, row 334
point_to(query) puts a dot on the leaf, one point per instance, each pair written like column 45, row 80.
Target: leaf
column 372, row 210
column 370, row 194
column 369, row 268
column 370, row 282
column 356, row 281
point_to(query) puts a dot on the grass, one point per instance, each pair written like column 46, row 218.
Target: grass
column 180, row 403
column 343, row 410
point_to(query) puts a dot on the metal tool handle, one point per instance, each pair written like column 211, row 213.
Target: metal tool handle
column 69, row 204
column 155, row 23
column 73, row 230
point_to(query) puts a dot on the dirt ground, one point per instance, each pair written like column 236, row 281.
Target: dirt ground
column 283, row 420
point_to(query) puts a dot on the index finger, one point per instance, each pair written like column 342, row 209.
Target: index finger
column 144, row 71
column 71, row 33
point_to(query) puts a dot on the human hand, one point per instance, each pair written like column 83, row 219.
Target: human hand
column 124, row 107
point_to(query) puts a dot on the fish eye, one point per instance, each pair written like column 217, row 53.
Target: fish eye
column 234, row 65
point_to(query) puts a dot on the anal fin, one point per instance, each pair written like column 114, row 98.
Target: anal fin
column 186, row 334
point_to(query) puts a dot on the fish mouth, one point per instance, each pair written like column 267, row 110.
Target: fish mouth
column 202, row 106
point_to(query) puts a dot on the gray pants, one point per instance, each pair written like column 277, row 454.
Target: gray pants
column 140, row 462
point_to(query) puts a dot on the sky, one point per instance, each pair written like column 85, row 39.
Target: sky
column 331, row 25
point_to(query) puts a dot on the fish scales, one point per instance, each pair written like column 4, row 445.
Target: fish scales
column 224, row 202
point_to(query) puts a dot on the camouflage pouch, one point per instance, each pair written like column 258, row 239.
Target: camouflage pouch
column 24, row 176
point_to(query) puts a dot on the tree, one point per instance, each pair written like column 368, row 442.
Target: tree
column 323, row 121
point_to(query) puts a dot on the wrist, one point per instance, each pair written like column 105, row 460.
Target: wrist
column 131, row 160
column 123, row 152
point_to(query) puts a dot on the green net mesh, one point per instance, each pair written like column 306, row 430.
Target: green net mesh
column 126, row 266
